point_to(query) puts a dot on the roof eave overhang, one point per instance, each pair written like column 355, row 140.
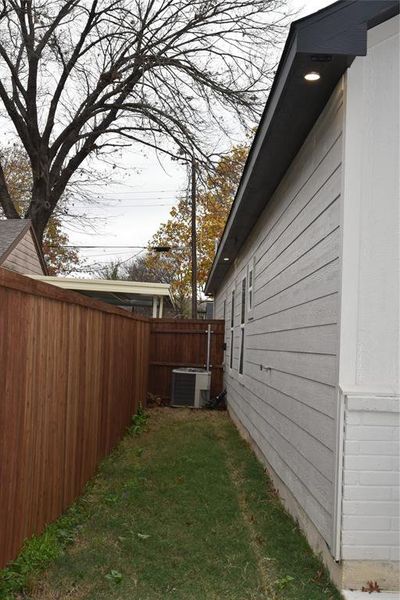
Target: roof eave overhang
column 107, row 286
column 39, row 251
column 327, row 42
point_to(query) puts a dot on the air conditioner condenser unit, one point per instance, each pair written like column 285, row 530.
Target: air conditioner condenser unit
column 190, row 387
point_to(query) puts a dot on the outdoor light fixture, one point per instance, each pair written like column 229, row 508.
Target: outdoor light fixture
column 161, row 249
column 312, row 76
column 226, row 259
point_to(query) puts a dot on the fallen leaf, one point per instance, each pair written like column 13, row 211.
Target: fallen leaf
column 372, row 586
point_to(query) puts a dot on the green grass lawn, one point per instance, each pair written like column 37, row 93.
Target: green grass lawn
column 182, row 511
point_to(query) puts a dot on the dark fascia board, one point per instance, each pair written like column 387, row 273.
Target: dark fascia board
column 327, row 41
column 39, row 250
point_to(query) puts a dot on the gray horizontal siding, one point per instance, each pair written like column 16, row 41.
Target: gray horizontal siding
column 276, row 450
column 315, row 340
column 24, row 258
column 289, row 410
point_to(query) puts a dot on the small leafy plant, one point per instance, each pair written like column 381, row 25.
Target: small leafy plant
column 281, row 583
column 114, row 576
column 138, row 421
column 40, row 551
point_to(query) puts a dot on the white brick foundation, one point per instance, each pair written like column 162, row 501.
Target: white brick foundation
column 370, row 504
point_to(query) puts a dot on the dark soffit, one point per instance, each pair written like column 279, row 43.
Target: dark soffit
column 327, row 41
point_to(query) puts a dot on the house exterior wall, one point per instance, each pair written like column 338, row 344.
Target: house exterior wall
column 319, row 395
column 369, row 363
column 24, row 258
column 289, row 409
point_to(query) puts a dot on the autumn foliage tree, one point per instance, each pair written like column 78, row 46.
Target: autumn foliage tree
column 18, row 176
column 174, row 234
column 214, row 202
column 83, row 78
column 60, row 259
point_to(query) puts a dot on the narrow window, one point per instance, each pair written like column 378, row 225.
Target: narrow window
column 242, row 325
column 250, row 290
column 232, row 327
column 250, row 304
column 223, row 317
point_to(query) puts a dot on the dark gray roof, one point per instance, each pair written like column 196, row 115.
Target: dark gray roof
column 11, row 231
column 327, row 41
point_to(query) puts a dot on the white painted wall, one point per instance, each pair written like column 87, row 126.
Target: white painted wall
column 369, row 361
column 327, row 321
column 370, row 327
column 24, row 258
column 290, row 410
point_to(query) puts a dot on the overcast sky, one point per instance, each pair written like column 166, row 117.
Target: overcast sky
column 141, row 195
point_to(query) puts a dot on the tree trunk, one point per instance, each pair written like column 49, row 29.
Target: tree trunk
column 40, row 209
column 39, row 223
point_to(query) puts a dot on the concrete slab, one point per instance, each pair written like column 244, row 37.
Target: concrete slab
column 347, row 595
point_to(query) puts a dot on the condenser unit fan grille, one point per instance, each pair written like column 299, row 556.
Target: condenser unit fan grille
column 183, row 389
column 190, row 387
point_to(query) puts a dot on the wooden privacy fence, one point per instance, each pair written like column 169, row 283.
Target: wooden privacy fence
column 72, row 372
column 176, row 344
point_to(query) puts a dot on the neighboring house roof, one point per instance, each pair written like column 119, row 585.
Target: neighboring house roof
column 327, row 41
column 12, row 232
column 121, row 293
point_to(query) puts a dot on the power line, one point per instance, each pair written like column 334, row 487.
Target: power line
column 83, row 246
column 137, row 205
column 156, row 248
column 96, row 266
column 155, row 194
column 132, row 191
column 107, row 255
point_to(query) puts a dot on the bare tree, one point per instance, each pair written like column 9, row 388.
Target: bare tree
column 152, row 267
column 86, row 77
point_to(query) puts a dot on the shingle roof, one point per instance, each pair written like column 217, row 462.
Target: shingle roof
column 11, row 230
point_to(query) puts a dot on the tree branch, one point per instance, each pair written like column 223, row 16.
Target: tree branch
column 5, row 199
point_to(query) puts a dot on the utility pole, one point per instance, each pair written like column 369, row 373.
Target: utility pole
column 194, row 242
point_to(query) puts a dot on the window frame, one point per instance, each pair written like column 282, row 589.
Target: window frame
column 243, row 305
column 251, row 274
column 232, row 329
column 224, row 319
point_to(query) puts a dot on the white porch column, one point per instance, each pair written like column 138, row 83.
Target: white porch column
column 161, row 307
column 155, row 306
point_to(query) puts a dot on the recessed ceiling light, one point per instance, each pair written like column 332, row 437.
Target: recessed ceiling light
column 312, row 76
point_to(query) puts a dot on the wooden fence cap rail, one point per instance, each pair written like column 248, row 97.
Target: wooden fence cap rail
column 27, row 285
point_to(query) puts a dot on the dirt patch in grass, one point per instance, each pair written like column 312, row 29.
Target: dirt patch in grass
column 183, row 511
